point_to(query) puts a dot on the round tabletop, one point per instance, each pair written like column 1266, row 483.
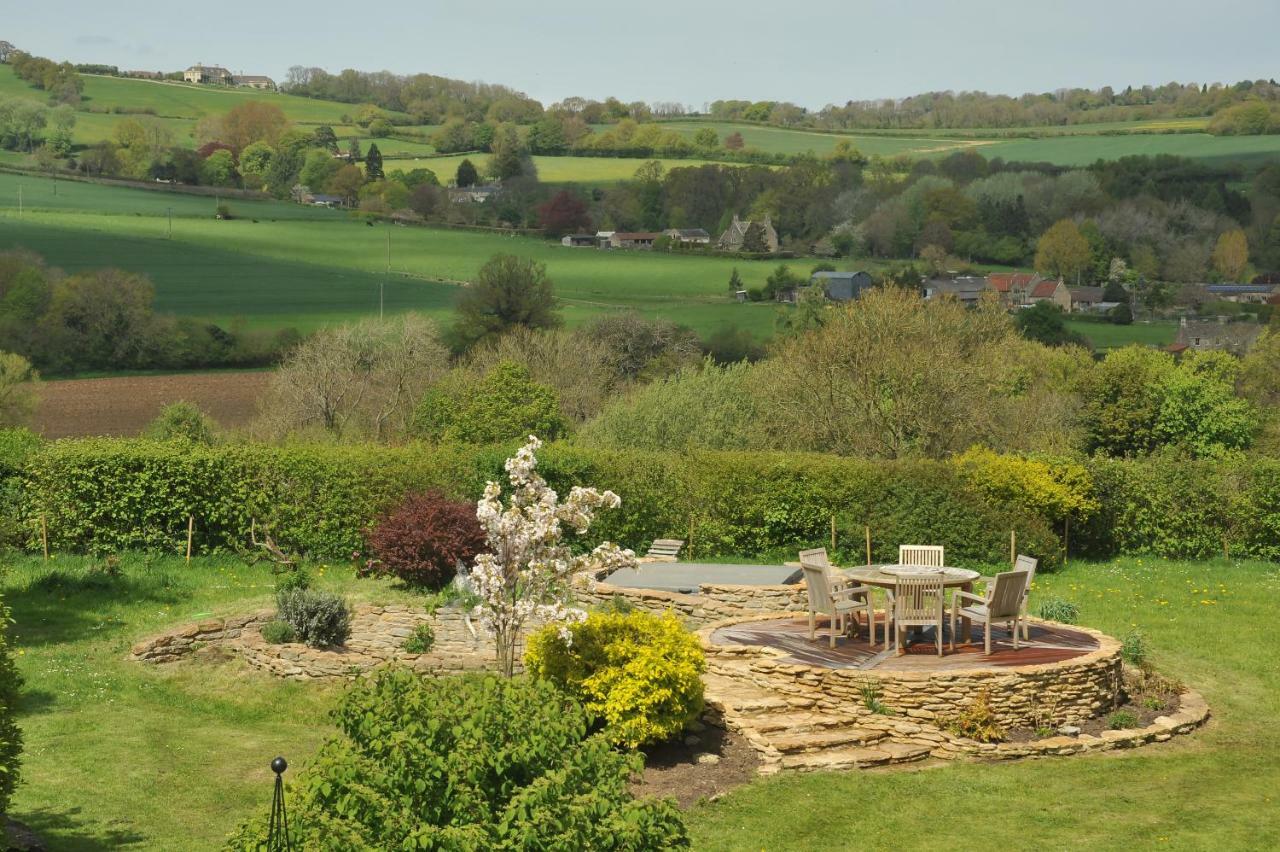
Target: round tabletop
column 873, row 575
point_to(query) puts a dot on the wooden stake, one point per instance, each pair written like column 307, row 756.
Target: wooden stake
column 191, row 527
column 1013, row 547
column 867, row 530
column 1226, row 547
column 1066, row 538
column 833, row 536
column 691, row 535
column 44, row 536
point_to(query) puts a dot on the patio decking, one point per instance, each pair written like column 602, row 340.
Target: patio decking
column 1048, row 644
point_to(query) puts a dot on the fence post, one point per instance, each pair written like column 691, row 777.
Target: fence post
column 191, row 528
column 833, row 536
column 1013, row 547
column 691, row 535
column 44, row 536
column 867, row 530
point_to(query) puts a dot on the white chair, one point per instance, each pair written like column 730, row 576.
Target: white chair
column 1001, row 604
column 833, row 597
column 917, row 602
column 929, row 555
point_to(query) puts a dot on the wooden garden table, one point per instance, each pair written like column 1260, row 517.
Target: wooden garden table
column 872, row 575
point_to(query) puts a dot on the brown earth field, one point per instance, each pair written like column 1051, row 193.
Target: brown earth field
column 123, row 406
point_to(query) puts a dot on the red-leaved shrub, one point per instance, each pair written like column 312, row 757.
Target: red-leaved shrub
column 423, row 539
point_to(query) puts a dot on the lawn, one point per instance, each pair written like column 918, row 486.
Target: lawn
column 1108, row 336
column 120, row 754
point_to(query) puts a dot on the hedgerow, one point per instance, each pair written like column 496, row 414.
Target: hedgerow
column 109, row 495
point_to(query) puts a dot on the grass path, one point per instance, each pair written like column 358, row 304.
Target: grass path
column 120, row 755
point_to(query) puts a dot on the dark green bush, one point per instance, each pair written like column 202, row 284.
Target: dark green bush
column 467, row 763
column 16, row 447
column 10, row 735
column 421, row 640
column 182, row 421
column 279, row 632
column 319, row 619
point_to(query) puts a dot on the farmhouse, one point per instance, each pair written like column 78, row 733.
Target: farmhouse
column 967, row 290
column 734, row 237
column 1085, row 298
column 1204, row 335
column 691, row 236
column 214, row 74
column 1022, row 289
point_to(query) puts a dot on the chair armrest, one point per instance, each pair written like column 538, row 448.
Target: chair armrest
column 969, row 595
column 842, row 591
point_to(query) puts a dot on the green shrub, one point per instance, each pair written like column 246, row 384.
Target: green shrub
column 506, row 404
column 320, row 619
column 421, row 640
column 1122, row 719
column 639, row 674
column 295, row 578
column 10, row 734
column 467, row 763
column 1057, row 609
column 279, row 632
column 182, row 421
column 1134, row 649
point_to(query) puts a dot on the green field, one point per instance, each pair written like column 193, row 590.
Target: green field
column 1084, row 150
column 779, row 140
column 105, row 737
column 1107, row 336
column 588, row 170
column 304, row 267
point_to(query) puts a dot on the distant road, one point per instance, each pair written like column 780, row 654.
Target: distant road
column 123, row 406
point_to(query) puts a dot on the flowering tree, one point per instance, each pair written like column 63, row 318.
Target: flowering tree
column 527, row 570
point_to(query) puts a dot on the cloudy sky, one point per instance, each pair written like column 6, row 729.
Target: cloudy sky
column 811, row 52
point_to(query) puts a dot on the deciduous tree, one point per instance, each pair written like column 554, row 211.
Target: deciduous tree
column 1063, row 251
column 1231, row 255
column 508, row 292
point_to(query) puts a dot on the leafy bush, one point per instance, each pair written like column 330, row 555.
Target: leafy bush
column 1122, row 719
column 296, row 578
column 16, row 446
column 182, row 421
column 10, row 734
column 279, row 632
column 1057, row 609
column 319, row 619
column 638, row 673
column 467, row 763
column 421, row 640
column 978, row 721
column 504, row 405
column 424, row 539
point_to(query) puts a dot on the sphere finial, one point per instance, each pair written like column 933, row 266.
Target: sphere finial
column 279, row 765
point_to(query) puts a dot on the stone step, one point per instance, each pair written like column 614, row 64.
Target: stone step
column 827, row 739
column 800, row 722
column 853, row 758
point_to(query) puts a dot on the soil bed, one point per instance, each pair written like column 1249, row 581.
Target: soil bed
column 672, row 769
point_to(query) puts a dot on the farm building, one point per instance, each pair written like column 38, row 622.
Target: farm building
column 254, row 81
column 580, row 241
column 693, row 236
column 967, row 290
column 145, row 75
column 473, row 194
column 1085, row 298
column 1203, row 335
column 735, row 236
column 633, row 239
column 213, row 74
column 842, row 286
column 1255, row 294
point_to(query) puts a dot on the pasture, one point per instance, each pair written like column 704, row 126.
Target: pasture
column 585, row 170
column 103, row 734
column 1104, row 335
column 781, row 140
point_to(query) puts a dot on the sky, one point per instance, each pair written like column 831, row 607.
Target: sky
column 812, row 52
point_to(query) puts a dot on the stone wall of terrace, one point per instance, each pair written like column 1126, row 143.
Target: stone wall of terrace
column 714, row 602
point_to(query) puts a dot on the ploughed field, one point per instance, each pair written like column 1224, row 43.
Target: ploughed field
column 124, row 405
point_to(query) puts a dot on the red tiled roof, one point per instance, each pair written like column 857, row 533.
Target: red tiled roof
column 1001, row 282
column 1044, row 290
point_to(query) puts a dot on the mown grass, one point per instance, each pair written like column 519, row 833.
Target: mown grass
column 119, row 754
column 1209, row 623
column 1108, row 336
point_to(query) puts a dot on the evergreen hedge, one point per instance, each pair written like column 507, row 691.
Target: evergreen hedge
column 108, row 495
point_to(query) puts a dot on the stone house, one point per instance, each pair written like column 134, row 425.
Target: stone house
column 212, row 74
column 735, row 235
column 1023, row 289
column 1220, row 335
column 693, row 236
column 633, row 239
column 1085, row 298
column 254, row 81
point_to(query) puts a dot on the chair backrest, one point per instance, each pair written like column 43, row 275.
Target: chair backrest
column 816, row 556
column 917, row 597
column 819, row 586
column 1004, row 598
column 1028, row 564
column 921, row 554
column 667, row 547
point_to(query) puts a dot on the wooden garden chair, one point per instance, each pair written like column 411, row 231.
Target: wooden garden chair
column 664, row 550
column 917, row 602
column 1022, row 563
column 1002, row 603
column 929, row 555
column 835, row 598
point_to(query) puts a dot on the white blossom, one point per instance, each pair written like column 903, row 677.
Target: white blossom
column 527, row 570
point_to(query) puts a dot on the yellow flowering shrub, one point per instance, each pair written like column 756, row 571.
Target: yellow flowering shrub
column 1055, row 490
column 638, row 674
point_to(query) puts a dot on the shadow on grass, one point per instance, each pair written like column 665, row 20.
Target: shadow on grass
column 32, row 702
column 65, row 605
column 64, row 830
